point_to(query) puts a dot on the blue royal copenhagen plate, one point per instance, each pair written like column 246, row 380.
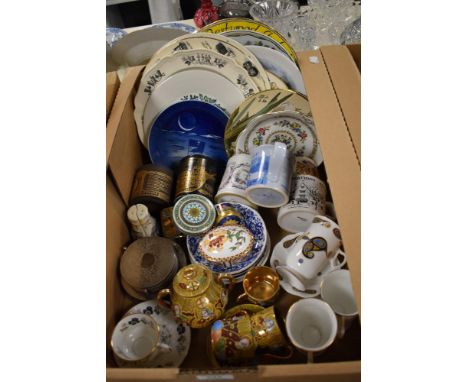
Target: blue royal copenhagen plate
column 187, row 128
column 254, row 222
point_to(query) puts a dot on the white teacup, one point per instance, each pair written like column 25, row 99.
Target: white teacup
column 337, row 291
column 311, row 325
column 136, row 340
column 311, row 252
column 234, row 181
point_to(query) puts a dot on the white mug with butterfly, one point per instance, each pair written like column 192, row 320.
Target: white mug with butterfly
column 311, row 252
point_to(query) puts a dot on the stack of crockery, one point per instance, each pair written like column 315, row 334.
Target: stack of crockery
column 238, row 242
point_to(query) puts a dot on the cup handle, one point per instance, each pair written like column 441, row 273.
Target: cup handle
column 341, row 263
column 229, row 280
column 160, row 297
column 241, row 298
column 284, row 357
column 164, row 348
column 341, row 327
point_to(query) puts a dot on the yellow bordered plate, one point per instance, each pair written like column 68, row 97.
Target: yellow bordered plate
column 250, row 32
column 258, row 104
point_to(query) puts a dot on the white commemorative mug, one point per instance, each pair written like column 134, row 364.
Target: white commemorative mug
column 234, row 181
column 306, row 199
column 270, row 174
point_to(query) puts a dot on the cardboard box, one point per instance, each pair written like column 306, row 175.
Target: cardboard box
column 332, row 79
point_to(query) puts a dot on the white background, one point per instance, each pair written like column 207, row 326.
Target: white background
column 414, row 191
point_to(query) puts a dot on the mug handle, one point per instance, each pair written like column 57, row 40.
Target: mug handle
column 164, row 348
column 281, row 357
column 241, row 298
column 229, row 280
column 160, row 297
column 343, row 262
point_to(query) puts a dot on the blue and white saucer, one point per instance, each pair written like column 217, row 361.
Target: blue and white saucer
column 187, row 128
column 255, row 224
column 179, row 26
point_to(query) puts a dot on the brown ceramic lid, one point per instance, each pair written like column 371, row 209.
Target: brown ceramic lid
column 148, row 262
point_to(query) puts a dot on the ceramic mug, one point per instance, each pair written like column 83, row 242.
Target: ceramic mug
column 136, row 340
column 234, row 181
column 311, row 325
column 261, row 286
column 306, row 199
column 270, row 174
column 268, row 329
column 232, row 340
column 337, row 291
column 311, row 251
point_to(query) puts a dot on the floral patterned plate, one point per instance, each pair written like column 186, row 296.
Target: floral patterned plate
column 173, row 333
column 289, row 127
column 254, row 223
column 178, row 71
column 217, row 44
column 261, row 103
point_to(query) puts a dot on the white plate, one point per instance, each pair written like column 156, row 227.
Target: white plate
column 217, row 44
column 280, row 65
column 276, row 82
column 138, row 47
column 313, row 286
column 292, row 128
column 173, row 333
column 182, row 70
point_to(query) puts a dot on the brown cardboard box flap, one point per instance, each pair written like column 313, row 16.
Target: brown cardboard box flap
column 112, row 86
column 124, row 154
column 339, row 153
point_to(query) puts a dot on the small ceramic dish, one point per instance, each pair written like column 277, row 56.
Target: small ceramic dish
column 194, row 214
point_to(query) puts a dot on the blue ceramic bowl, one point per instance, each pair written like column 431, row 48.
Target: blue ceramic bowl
column 254, row 222
column 187, row 128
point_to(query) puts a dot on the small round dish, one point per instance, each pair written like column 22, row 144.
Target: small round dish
column 194, row 214
column 226, row 244
column 187, row 128
column 255, row 224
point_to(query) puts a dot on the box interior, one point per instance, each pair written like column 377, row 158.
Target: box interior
column 125, row 154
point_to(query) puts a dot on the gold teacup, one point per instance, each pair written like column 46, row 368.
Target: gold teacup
column 261, row 286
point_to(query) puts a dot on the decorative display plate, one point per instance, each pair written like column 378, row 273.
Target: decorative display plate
column 187, row 128
column 193, row 214
column 250, row 32
column 218, row 44
column 173, row 333
column 226, row 245
column 261, row 103
column 138, row 47
column 254, row 223
column 276, row 82
column 181, row 26
column 313, row 286
column 291, row 128
column 280, row 66
column 206, row 66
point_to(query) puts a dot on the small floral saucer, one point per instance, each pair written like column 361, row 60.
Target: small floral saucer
column 173, row 333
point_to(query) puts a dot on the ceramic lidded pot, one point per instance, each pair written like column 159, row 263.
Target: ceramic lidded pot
column 149, row 263
column 198, row 296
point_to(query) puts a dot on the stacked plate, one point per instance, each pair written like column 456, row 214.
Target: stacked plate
column 233, row 249
column 217, row 72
